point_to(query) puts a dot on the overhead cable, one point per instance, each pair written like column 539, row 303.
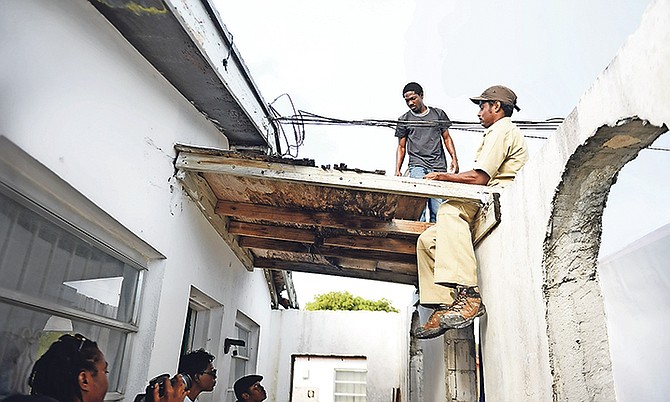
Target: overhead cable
column 297, row 126
column 301, row 118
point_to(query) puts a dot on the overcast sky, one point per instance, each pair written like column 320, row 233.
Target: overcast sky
column 350, row 59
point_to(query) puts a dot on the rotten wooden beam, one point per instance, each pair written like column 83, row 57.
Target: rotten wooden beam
column 377, row 243
column 327, row 251
column 340, row 261
column 329, row 269
column 272, row 232
column 317, row 218
column 384, row 244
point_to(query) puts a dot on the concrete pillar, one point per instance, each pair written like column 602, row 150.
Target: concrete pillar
column 461, row 362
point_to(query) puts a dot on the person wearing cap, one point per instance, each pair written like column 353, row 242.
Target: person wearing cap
column 249, row 388
column 421, row 132
column 445, row 253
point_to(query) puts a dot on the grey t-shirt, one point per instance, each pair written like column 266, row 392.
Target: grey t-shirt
column 424, row 143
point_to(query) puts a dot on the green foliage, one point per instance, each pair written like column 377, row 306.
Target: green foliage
column 349, row 302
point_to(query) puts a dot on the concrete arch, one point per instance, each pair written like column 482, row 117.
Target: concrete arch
column 579, row 354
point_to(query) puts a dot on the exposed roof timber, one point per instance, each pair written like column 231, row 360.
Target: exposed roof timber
column 187, row 44
column 272, row 287
column 326, row 269
column 279, row 281
column 290, row 289
column 311, row 236
column 255, row 169
column 290, row 215
column 325, row 251
column 323, row 219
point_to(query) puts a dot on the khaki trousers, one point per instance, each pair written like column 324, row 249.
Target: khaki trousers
column 445, row 254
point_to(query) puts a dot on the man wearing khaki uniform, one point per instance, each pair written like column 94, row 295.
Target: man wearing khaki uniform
column 445, row 254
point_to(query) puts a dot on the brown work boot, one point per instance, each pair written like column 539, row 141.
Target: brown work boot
column 433, row 327
column 465, row 308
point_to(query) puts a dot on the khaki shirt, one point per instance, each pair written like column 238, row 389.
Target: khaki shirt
column 502, row 153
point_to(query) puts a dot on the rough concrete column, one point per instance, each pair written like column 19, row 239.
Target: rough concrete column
column 415, row 363
column 576, row 324
column 461, row 370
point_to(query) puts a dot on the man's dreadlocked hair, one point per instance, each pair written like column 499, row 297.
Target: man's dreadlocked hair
column 56, row 373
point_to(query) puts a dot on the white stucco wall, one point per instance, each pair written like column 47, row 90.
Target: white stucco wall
column 80, row 99
column 313, row 376
column 379, row 336
column 514, row 332
column 636, row 287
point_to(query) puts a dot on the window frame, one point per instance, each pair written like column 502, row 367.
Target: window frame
column 35, row 303
column 250, row 359
column 204, row 319
column 349, row 370
column 37, row 188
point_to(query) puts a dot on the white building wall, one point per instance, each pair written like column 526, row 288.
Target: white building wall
column 379, row 336
column 636, row 289
column 514, row 331
column 80, row 99
column 314, row 376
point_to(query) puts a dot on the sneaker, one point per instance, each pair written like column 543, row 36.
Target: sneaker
column 466, row 307
column 433, row 327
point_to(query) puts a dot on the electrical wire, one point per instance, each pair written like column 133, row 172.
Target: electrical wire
column 302, row 118
column 297, row 125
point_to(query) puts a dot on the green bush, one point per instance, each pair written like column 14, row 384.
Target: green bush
column 347, row 301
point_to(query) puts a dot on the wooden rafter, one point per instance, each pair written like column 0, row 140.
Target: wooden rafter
column 325, row 269
column 317, row 218
column 272, row 232
column 386, row 244
column 328, row 251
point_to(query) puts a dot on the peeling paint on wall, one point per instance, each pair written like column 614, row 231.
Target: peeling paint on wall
column 621, row 141
column 156, row 7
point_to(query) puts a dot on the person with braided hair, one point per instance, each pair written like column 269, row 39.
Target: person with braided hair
column 74, row 369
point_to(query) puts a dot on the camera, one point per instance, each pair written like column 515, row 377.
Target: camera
column 160, row 380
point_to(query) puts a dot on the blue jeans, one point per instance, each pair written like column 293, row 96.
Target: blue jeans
column 432, row 205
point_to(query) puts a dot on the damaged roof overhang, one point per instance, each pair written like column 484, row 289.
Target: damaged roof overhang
column 290, row 215
column 186, row 43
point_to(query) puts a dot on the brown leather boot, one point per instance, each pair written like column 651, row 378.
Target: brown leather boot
column 433, row 327
column 465, row 308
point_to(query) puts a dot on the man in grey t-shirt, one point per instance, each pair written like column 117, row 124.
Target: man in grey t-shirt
column 421, row 132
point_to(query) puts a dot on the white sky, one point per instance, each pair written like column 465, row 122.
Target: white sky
column 350, row 59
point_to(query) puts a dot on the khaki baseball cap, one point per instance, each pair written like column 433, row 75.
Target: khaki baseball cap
column 498, row 93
